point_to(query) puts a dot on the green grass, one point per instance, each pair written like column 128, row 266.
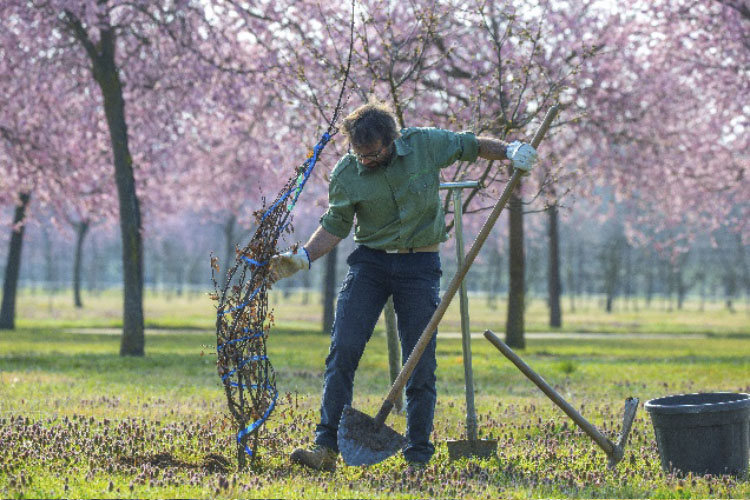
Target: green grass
column 37, row 309
column 78, row 420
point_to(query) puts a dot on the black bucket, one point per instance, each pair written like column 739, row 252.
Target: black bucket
column 703, row 433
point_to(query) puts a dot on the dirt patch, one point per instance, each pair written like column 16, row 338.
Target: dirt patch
column 213, row 462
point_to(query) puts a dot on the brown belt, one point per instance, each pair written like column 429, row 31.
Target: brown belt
column 429, row 248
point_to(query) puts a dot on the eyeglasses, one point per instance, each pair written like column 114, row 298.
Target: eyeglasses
column 371, row 156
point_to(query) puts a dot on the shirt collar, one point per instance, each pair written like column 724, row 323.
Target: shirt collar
column 402, row 149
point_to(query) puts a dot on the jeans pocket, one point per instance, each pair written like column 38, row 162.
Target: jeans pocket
column 433, row 266
column 436, row 297
column 347, row 283
column 356, row 255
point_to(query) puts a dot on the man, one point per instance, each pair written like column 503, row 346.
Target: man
column 389, row 181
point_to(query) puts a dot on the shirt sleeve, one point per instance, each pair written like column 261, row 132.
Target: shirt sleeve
column 448, row 147
column 339, row 217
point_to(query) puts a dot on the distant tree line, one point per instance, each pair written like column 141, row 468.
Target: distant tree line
column 592, row 263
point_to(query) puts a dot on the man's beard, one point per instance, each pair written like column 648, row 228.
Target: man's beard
column 385, row 161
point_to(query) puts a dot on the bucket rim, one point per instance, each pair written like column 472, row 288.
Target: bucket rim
column 669, row 404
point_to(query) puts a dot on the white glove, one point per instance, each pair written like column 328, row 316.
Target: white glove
column 288, row 263
column 522, row 155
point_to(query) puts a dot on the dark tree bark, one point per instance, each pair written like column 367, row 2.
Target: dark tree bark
column 494, row 277
column 554, row 287
column 13, row 266
column 107, row 75
column 611, row 265
column 668, row 278
column 514, row 326
column 133, row 339
column 682, row 286
column 82, row 229
column 329, row 290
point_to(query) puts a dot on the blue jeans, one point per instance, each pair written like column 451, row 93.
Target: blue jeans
column 374, row 275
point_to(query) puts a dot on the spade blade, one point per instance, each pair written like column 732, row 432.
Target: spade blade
column 362, row 441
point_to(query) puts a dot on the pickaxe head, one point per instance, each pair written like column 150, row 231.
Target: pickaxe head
column 631, row 407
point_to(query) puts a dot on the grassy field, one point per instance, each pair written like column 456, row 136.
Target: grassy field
column 194, row 311
column 77, row 420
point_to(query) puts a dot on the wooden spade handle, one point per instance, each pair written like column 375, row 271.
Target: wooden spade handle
column 455, row 283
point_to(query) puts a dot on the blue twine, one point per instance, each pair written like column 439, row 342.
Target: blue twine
column 302, row 178
column 250, row 428
column 253, row 262
column 241, row 306
column 308, row 166
column 241, row 339
column 269, row 387
column 239, row 367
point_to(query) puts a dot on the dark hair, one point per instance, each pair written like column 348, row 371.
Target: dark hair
column 369, row 123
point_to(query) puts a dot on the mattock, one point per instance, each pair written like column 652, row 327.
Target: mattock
column 615, row 452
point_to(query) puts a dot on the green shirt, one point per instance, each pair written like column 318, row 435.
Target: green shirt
column 398, row 205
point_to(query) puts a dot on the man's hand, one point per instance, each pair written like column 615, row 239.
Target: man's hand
column 288, row 263
column 522, row 155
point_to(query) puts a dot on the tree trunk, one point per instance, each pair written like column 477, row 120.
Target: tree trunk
column 82, row 229
column 329, row 290
column 50, row 270
column 514, row 327
column 306, row 288
column 229, row 243
column 582, row 282
column 668, row 271
column 13, row 266
column 680, row 284
column 494, row 277
column 553, row 271
column 730, row 289
column 572, row 283
column 394, row 348
column 107, row 76
column 611, row 259
column 649, row 280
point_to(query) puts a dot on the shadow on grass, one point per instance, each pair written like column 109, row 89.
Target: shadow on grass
column 298, row 359
column 155, row 369
column 170, row 360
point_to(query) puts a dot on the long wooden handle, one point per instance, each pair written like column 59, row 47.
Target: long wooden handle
column 604, row 443
column 455, row 283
